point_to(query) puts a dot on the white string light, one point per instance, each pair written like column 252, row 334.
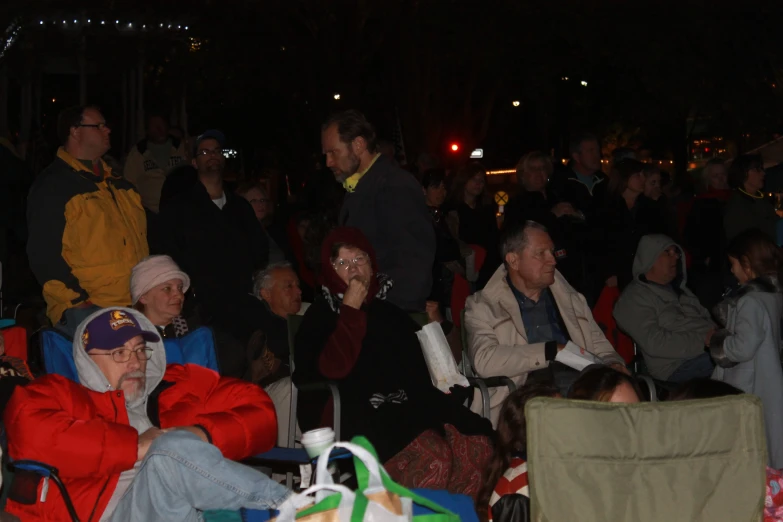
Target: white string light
column 130, row 25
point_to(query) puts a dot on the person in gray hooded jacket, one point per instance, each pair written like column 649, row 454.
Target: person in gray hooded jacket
column 662, row 316
column 747, row 349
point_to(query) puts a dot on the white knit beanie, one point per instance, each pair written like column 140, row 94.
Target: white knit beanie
column 152, row 271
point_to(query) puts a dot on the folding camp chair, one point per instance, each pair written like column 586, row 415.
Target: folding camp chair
column 699, row 460
column 482, row 383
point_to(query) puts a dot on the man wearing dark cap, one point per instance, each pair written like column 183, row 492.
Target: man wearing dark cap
column 136, row 439
column 214, row 236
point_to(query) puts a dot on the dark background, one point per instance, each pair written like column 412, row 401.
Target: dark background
column 659, row 74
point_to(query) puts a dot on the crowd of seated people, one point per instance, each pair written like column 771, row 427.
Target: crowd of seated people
column 218, row 260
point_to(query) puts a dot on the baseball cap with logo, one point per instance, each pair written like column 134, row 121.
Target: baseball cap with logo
column 211, row 134
column 112, row 329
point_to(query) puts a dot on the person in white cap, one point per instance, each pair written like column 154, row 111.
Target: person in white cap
column 158, row 289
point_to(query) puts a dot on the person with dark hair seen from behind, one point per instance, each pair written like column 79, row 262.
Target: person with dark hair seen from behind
column 537, row 201
column 663, row 317
column 748, row 207
column 526, row 314
column 505, row 491
column 747, row 348
column 605, row 384
column 351, row 334
column 151, row 159
column 705, row 237
column 626, row 216
column 582, row 183
column 471, row 213
column 214, row 235
column 87, row 227
column 385, row 203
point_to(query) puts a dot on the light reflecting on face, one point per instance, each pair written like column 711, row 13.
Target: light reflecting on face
column 346, row 268
column 340, row 157
column 129, row 376
column 164, row 302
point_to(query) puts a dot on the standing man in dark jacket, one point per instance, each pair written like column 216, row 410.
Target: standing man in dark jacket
column 214, row 235
column 386, row 204
column 582, row 183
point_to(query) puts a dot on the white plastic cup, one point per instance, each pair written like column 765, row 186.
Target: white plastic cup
column 316, row 441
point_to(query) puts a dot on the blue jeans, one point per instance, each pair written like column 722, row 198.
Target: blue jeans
column 698, row 367
column 182, row 475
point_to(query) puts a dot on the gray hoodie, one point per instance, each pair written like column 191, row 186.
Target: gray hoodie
column 668, row 328
column 92, row 377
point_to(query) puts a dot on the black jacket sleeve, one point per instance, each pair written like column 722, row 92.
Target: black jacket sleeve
column 511, row 508
column 46, row 224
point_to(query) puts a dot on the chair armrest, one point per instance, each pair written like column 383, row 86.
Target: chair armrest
column 333, row 388
column 482, row 386
column 47, row 472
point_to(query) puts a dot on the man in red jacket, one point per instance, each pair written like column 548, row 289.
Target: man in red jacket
column 139, row 440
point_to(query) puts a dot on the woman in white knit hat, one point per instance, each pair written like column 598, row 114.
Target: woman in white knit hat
column 158, row 289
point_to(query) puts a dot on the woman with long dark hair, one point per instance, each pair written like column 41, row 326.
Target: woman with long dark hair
column 747, row 350
column 504, row 486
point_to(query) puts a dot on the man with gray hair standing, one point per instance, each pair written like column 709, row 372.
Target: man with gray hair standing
column 277, row 286
column 526, row 314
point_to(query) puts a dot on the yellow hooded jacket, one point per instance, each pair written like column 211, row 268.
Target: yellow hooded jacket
column 86, row 233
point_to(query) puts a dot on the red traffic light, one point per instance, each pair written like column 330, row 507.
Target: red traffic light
column 454, row 147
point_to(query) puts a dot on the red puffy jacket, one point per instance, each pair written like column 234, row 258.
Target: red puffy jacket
column 87, row 437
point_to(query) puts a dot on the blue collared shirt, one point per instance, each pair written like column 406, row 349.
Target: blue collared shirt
column 541, row 319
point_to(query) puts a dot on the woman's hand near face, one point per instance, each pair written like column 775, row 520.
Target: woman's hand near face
column 356, row 293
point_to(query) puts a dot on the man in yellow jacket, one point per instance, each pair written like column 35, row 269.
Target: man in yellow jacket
column 87, row 228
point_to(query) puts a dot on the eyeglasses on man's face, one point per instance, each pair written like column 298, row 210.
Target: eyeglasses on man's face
column 123, row 355
column 210, row 152
column 344, row 264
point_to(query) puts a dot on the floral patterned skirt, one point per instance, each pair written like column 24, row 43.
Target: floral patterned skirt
column 454, row 463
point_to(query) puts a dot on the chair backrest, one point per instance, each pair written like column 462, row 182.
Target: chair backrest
column 197, row 347
column 15, row 340
column 699, row 460
column 294, row 322
column 467, row 363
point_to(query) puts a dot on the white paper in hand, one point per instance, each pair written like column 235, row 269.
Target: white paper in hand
column 576, row 357
column 440, row 362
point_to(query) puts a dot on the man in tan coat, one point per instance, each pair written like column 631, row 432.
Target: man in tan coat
column 527, row 313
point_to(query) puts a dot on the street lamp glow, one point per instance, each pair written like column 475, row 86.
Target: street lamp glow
column 337, row 96
column 515, row 103
column 41, row 22
column 584, row 83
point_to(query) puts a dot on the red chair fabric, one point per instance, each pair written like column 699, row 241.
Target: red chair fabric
column 460, row 289
column 602, row 313
column 15, row 339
